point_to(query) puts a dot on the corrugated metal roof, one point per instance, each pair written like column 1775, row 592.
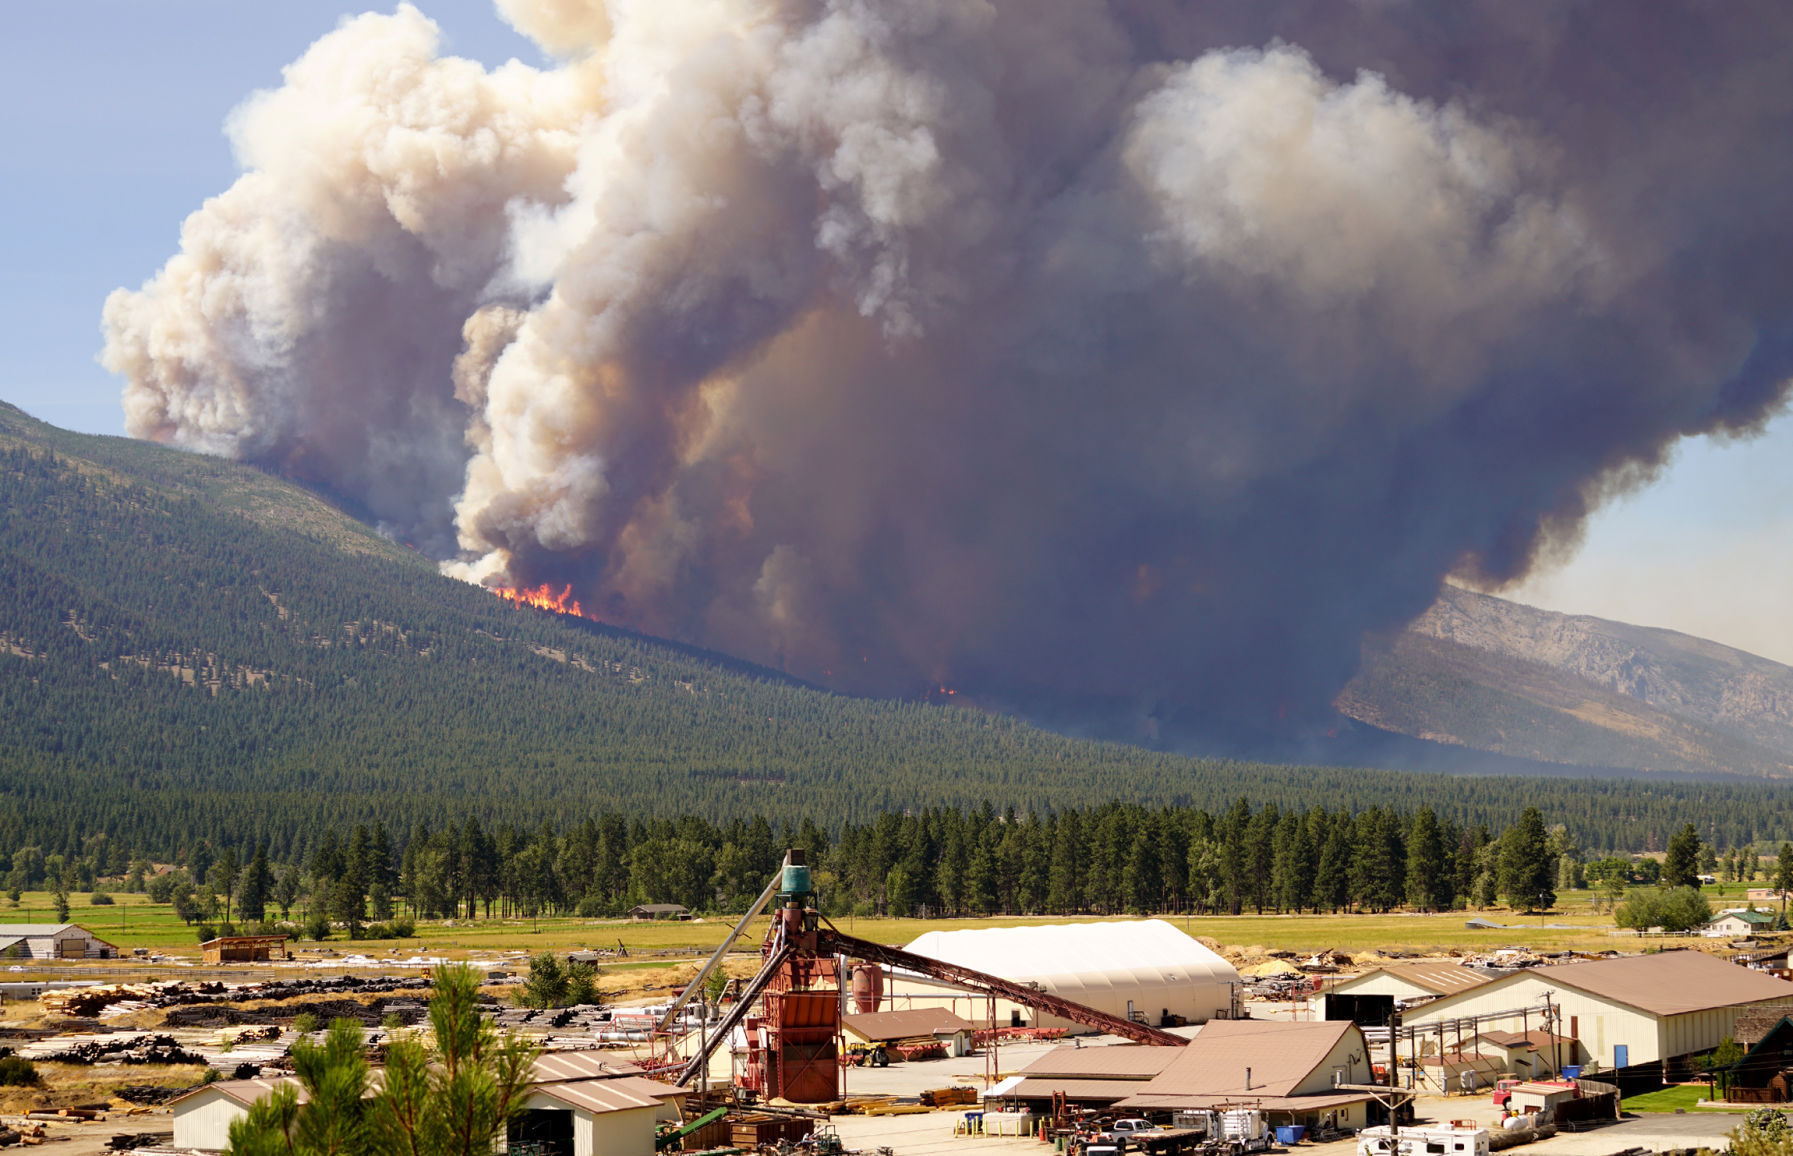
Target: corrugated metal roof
column 1670, row 982
column 1106, row 1091
column 1439, row 978
column 245, row 1091
column 1319, row 1102
column 1279, row 1053
column 1534, row 1039
column 1119, row 1062
column 608, row 1095
column 37, row 930
column 898, row 1025
column 556, row 1066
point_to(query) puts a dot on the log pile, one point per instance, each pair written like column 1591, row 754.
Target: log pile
column 117, row 1047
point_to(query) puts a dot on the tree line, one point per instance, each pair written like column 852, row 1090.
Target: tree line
column 1106, row 860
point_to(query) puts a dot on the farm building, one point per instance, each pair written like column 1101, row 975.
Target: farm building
column 1738, row 924
column 586, row 1103
column 1371, row 998
column 659, row 911
column 244, row 948
column 1292, row 1072
column 1626, row 1012
column 52, row 941
column 911, row 1024
column 1143, row 970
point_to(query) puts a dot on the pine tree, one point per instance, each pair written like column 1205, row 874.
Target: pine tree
column 1527, row 871
column 1680, row 867
column 1332, row 880
column 1425, row 861
column 223, row 877
column 252, row 900
column 380, row 875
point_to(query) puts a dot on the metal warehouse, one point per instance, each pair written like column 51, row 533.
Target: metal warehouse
column 1626, row 1013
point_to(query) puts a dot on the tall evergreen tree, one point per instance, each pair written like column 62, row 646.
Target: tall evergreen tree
column 1680, row 867
column 1527, row 869
column 252, row 901
column 1425, row 861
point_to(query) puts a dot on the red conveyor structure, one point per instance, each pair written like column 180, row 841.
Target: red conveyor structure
column 792, row 1044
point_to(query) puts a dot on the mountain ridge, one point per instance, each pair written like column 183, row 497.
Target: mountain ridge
column 1482, row 672
column 198, row 649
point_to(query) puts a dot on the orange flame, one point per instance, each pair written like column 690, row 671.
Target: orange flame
column 543, row 598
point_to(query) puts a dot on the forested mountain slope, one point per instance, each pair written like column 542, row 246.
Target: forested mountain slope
column 1494, row 675
column 192, row 648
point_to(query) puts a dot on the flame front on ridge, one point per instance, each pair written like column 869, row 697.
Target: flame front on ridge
column 543, row 598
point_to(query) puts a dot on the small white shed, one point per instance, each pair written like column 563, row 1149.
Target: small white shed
column 203, row 1116
column 611, row 1117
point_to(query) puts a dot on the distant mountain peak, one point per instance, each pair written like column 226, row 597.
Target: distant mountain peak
column 1482, row 672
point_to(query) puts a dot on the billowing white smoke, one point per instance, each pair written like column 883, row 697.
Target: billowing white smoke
column 1066, row 351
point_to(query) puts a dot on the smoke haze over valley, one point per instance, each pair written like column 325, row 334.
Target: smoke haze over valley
column 1115, row 363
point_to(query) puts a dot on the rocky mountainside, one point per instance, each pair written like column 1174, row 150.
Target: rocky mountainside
column 1484, row 673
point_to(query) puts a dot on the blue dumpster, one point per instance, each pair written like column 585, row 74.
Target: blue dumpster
column 1290, row 1133
column 1571, row 1071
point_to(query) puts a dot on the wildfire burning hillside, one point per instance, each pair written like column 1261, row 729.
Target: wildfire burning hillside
column 543, row 598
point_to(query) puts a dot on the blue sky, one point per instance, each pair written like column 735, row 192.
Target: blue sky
column 112, row 116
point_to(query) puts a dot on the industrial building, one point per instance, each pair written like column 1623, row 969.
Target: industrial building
column 1095, row 1077
column 52, row 941
column 1370, row 999
column 583, row 1103
column 1634, row 1012
column 1145, row 970
column 1295, row 1073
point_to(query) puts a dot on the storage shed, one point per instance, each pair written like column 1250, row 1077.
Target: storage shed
column 1144, row 970
column 602, row 1117
column 1626, row 1012
column 1530, row 1055
column 203, row 1116
column 52, row 941
column 923, row 1023
column 244, row 948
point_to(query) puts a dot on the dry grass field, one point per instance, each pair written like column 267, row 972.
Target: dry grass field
column 133, row 922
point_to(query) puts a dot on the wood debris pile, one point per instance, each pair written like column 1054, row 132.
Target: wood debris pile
column 115, row 1047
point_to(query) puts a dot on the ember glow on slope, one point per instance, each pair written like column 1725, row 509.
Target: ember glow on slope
column 1095, row 360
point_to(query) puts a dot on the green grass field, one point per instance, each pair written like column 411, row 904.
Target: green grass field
column 1679, row 1097
column 132, row 922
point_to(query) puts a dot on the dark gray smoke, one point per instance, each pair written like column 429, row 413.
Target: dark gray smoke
column 1100, row 360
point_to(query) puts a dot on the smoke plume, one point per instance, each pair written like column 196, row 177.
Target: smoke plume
column 1097, row 358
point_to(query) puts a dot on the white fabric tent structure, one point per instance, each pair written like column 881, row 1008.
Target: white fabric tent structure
column 1146, row 969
